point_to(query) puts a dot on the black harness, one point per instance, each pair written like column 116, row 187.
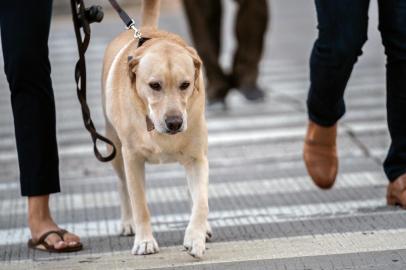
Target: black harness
column 82, row 18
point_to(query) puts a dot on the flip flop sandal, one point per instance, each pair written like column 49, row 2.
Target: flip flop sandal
column 41, row 245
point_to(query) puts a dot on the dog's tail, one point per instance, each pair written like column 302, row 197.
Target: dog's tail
column 150, row 13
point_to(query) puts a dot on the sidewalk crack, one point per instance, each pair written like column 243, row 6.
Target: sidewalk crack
column 363, row 147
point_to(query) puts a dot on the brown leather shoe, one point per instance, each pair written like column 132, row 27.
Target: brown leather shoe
column 320, row 154
column 396, row 194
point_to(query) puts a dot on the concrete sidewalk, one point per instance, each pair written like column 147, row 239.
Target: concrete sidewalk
column 265, row 212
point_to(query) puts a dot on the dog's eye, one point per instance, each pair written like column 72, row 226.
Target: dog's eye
column 184, row 85
column 155, row 86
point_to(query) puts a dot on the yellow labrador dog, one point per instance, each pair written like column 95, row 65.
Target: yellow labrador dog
column 154, row 100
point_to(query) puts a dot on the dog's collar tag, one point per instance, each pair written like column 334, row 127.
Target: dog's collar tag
column 150, row 125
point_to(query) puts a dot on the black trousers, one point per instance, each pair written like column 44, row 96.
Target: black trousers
column 342, row 28
column 24, row 34
column 205, row 23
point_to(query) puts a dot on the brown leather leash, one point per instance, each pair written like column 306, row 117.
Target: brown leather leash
column 82, row 18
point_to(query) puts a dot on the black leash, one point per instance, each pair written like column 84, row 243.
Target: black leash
column 82, row 18
column 129, row 23
column 123, row 15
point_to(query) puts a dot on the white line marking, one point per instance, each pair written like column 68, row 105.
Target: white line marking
column 9, row 186
column 238, row 251
column 179, row 193
column 226, row 138
column 73, row 129
column 217, row 219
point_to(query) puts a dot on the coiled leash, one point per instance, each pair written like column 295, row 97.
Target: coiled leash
column 82, row 18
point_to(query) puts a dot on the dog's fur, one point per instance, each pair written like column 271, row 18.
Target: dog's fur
column 129, row 100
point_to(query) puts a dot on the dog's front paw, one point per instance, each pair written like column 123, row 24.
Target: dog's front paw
column 145, row 246
column 127, row 228
column 195, row 242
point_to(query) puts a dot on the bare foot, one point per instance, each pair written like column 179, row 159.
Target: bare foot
column 40, row 221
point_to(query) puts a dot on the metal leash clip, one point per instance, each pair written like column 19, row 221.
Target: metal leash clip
column 137, row 33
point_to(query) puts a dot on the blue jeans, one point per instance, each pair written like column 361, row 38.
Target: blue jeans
column 342, row 26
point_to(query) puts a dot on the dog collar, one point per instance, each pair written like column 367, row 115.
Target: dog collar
column 150, row 124
column 142, row 40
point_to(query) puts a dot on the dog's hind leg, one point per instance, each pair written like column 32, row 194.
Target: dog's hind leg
column 127, row 224
column 198, row 230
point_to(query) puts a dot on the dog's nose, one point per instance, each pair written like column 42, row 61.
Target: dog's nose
column 174, row 123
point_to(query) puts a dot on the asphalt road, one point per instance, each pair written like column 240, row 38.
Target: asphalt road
column 265, row 212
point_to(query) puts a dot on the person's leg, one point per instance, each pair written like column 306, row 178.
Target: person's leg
column 342, row 26
column 251, row 25
column 392, row 24
column 205, row 24
column 24, row 33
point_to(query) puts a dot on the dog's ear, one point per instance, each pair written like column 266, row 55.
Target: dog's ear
column 197, row 62
column 133, row 62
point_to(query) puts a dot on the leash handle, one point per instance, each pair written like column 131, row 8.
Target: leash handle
column 81, row 20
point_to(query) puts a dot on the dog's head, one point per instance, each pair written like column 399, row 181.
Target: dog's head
column 165, row 77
